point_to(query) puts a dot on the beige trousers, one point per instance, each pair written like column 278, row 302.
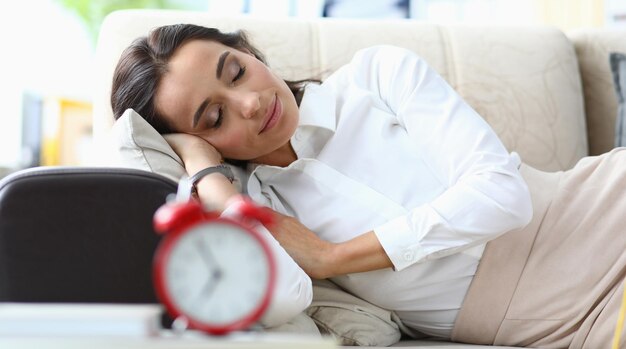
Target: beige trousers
column 557, row 283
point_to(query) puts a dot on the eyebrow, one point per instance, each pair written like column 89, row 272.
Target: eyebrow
column 220, row 64
column 218, row 74
column 199, row 112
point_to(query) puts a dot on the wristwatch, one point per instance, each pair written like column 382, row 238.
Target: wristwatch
column 223, row 169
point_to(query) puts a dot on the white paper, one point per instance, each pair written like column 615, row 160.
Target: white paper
column 60, row 319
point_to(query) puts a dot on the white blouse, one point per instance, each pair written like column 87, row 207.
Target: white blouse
column 385, row 144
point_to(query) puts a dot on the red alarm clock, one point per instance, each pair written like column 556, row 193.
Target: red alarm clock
column 217, row 273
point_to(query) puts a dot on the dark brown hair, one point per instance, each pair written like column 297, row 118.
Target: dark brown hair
column 143, row 64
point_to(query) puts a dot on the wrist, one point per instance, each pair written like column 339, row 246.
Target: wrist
column 360, row 254
column 222, row 169
column 194, row 167
column 213, row 185
column 332, row 259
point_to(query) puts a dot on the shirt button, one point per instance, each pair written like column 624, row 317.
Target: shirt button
column 298, row 135
column 408, row 255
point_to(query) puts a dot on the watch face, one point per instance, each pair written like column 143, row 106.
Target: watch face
column 217, row 273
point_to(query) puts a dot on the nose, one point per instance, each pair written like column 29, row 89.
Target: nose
column 247, row 103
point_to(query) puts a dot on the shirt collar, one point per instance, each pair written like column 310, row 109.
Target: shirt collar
column 317, row 121
column 317, row 108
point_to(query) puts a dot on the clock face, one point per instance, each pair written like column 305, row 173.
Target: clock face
column 217, row 274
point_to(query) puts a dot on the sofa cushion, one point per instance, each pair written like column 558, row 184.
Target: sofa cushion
column 140, row 146
column 349, row 319
column 618, row 69
column 593, row 47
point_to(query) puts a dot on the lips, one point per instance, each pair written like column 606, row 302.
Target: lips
column 274, row 112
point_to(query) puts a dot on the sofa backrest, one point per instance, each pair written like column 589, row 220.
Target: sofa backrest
column 523, row 80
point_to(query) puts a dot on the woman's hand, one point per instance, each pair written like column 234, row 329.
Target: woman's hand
column 214, row 190
column 312, row 254
column 195, row 152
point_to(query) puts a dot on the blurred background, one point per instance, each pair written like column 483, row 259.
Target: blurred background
column 48, row 49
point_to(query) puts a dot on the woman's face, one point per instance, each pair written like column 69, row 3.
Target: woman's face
column 229, row 98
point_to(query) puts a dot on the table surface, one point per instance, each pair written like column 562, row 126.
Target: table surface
column 95, row 326
column 173, row 341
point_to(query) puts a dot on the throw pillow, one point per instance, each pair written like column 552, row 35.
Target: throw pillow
column 349, row 319
column 618, row 68
column 140, row 146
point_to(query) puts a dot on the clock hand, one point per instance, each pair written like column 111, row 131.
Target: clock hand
column 206, row 254
column 202, row 251
column 211, row 256
column 209, row 286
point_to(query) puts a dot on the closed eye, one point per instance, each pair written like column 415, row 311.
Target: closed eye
column 219, row 119
column 214, row 117
column 242, row 70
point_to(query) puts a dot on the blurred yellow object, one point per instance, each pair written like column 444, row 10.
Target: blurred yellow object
column 50, row 152
column 67, row 132
column 620, row 320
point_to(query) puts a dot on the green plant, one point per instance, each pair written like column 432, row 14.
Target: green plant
column 92, row 12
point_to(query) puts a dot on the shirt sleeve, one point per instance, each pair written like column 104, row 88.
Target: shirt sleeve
column 485, row 196
column 293, row 290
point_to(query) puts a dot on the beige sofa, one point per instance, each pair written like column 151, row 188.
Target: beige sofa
column 548, row 94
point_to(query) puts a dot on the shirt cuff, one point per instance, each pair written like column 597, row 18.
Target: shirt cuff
column 401, row 241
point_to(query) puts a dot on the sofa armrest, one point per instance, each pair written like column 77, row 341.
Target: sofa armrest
column 79, row 234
